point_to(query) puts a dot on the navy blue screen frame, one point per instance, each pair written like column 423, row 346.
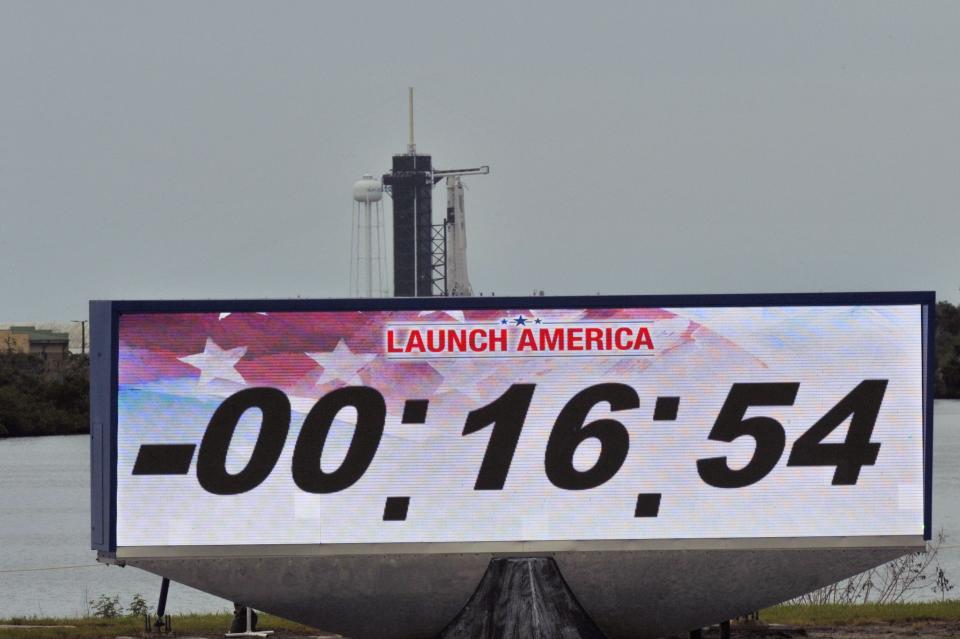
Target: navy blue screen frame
column 104, row 349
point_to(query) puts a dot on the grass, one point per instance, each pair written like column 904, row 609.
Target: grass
column 215, row 625
column 858, row 614
column 211, row 625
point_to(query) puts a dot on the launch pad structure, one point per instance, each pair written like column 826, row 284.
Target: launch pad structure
column 428, row 259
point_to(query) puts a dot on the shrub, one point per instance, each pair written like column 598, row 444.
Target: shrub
column 893, row 582
column 105, row 607
column 138, row 606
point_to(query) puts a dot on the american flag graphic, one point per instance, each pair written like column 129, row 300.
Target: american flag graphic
column 308, row 354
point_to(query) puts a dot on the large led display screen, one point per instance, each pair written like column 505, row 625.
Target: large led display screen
column 330, row 427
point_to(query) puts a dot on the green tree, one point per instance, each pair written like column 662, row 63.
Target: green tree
column 947, row 337
column 37, row 399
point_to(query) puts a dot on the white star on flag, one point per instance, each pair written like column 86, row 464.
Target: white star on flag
column 225, row 315
column 216, row 363
column 341, row 363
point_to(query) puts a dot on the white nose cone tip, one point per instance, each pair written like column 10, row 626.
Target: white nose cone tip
column 367, row 189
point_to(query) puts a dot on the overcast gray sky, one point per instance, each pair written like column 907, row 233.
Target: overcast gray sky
column 207, row 149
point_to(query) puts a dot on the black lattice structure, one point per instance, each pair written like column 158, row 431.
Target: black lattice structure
column 438, row 259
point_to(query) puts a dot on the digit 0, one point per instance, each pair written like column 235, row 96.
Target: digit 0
column 371, row 416
column 212, row 458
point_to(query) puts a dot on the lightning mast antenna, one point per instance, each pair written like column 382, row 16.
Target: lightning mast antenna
column 411, row 147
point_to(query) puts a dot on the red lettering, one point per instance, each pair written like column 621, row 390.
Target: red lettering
column 644, row 339
column 526, row 341
column 436, row 345
column 458, row 341
column 621, row 345
column 594, row 339
column 498, row 339
column 391, row 348
column 551, row 340
column 414, row 342
column 574, row 339
column 475, row 346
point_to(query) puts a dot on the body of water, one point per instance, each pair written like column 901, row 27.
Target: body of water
column 45, row 523
column 48, row 569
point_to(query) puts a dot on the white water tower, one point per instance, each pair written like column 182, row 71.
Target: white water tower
column 368, row 277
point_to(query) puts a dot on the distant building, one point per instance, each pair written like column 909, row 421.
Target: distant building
column 50, row 345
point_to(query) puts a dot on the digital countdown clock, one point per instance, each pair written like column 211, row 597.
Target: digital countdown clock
column 430, row 424
column 362, row 466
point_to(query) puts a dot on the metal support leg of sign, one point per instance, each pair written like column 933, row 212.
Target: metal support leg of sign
column 522, row 598
column 249, row 631
column 158, row 625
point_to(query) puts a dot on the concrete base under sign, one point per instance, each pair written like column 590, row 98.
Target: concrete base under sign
column 635, row 594
column 522, row 599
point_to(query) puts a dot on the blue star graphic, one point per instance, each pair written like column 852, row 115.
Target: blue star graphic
column 520, row 321
column 538, row 321
column 503, row 322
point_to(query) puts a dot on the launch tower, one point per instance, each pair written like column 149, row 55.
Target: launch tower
column 410, row 184
column 422, row 255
